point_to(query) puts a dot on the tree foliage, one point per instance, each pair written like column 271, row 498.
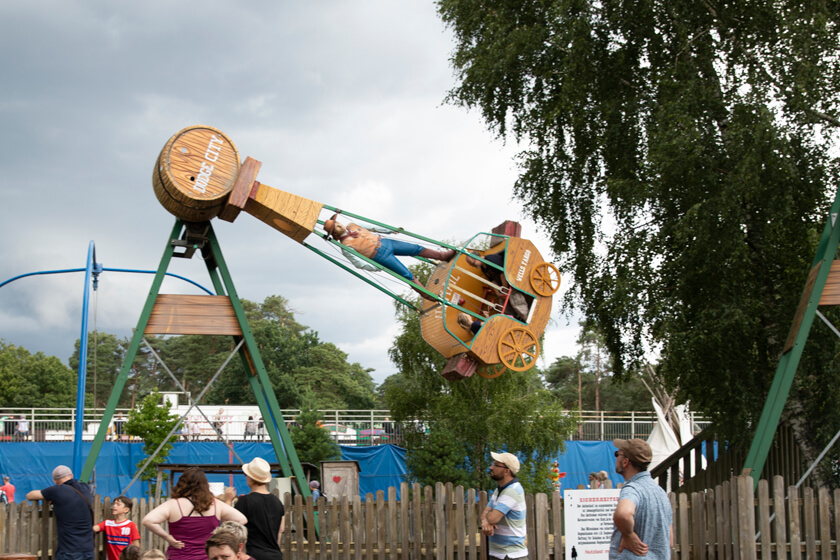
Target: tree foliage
column 28, row 380
column 616, row 393
column 152, row 422
column 439, row 457
column 676, row 155
column 586, row 381
column 312, row 441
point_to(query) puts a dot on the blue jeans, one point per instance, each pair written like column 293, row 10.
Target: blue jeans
column 390, row 248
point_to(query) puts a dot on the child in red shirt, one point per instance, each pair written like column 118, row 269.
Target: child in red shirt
column 119, row 531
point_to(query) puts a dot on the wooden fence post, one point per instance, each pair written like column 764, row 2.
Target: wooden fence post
column 764, row 519
column 733, row 518
column 746, row 516
column 370, row 526
column 440, row 523
column 358, row 527
column 45, row 530
column 529, row 526
column 795, row 523
column 14, row 526
column 825, row 523
column 461, row 534
column 392, row 512
column 405, row 521
column 381, row 523
column 557, row 522
column 699, row 522
column 809, row 522
column 541, row 526
column 779, row 522
column 472, row 529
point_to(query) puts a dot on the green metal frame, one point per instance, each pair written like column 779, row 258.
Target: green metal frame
column 258, row 377
column 789, row 361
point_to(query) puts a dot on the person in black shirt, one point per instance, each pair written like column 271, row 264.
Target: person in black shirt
column 264, row 512
column 72, row 502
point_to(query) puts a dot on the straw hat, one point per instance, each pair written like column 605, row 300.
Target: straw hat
column 258, row 470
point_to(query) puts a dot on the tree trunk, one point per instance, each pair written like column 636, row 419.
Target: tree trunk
column 597, row 379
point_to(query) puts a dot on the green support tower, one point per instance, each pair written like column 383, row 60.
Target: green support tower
column 222, row 314
column 825, row 272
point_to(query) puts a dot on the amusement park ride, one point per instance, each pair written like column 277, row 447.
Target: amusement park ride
column 198, row 176
column 502, row 288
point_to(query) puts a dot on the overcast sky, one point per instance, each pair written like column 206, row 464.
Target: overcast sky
column 342, row 102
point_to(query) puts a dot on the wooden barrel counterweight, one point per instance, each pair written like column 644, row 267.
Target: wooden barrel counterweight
column 198, row 177
column 195, row 173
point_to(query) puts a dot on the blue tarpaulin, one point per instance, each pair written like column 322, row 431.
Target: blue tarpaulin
column 30, row 464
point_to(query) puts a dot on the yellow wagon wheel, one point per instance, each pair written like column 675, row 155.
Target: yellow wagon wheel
column 518, row 349
column 491, row 371
column 545, row 279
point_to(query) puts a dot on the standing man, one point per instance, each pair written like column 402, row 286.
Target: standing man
column 72, row 502
column 503, row 520
column 264, row 512
column 195, row 430
column 643, row 515
column 219, row 423
column 22, row 430
column 9, row 489
column 119, row 422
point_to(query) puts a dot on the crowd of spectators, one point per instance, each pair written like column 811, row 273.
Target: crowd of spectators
column 195, row 524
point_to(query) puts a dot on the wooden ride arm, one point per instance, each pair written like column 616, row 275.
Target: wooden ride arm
column 291, row 215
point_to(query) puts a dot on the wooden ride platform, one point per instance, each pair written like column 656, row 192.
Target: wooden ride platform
column 501, row 336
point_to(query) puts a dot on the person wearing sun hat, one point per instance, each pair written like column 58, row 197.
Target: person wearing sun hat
column 503, row 520
column 264, row 512
column 643, row 517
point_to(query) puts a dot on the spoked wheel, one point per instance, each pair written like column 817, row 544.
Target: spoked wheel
column 518, row 349
column 545, row 279
column 491, row 371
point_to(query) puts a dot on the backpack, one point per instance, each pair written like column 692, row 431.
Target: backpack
column 3, row 498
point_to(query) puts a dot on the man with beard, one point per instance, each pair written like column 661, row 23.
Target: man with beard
column 643, row 515
column 503, row 520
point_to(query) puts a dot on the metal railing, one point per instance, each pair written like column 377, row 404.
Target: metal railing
column 347, row 427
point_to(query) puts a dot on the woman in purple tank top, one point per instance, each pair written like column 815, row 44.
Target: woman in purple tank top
column 192, row 514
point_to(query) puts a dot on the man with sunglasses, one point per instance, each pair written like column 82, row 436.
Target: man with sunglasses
column 643, row 517
column 503, row 520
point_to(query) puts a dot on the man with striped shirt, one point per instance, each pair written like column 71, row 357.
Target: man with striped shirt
column 503, row 520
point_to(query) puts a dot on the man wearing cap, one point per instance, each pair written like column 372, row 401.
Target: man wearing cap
column 70, row 500
column 643, row 515
column 315, row 488
column 378, row 249
column 503, row 520
column 264, row 512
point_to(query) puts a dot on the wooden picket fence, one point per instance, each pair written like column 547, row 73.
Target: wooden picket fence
column 730, row 522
